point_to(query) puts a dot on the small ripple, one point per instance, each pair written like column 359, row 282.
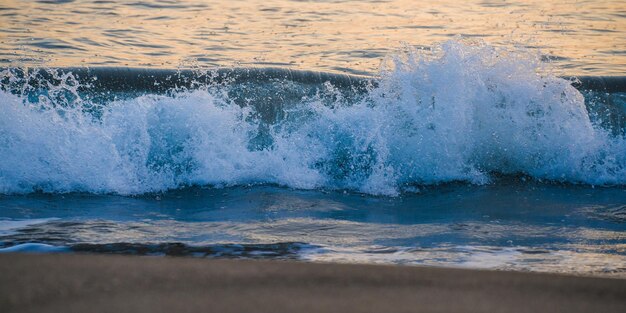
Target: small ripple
column 51, row 44
column 163, row 5
column 55, row 1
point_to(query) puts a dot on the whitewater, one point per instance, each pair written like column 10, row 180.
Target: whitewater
column 459, row 112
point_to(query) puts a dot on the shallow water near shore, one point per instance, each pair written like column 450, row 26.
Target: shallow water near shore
column 509, row 226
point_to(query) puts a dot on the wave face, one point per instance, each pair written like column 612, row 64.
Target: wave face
column 458, row 113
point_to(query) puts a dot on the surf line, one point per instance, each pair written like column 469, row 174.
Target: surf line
column 162, row 80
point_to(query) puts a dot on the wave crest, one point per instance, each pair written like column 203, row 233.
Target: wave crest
column 461, row 112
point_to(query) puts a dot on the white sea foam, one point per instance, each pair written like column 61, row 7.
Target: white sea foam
column 9, row 226
column 33, row 248
column 462, row 112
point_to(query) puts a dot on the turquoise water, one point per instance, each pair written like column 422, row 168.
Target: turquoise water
column 469, row 145
column 508, row 226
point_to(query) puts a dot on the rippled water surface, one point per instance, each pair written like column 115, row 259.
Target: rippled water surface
column 580, row 37
column 466, row 148
column 530, row 227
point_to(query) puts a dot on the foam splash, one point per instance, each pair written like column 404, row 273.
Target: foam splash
column 33, row 248
column 462, row 112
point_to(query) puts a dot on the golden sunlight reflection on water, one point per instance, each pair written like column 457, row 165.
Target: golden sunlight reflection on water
column 581, row 37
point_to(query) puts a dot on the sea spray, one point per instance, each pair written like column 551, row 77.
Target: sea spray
column 460, row 112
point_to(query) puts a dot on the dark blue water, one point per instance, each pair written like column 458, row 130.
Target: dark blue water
column 510, row 225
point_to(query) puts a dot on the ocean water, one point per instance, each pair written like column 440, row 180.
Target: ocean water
column 581, row 37
column 482, row 135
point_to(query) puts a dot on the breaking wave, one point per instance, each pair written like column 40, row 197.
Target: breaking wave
column 459, row 112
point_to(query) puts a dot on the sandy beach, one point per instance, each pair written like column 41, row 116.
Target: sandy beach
column 104, row 283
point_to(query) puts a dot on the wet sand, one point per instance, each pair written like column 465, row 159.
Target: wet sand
column 104, row 283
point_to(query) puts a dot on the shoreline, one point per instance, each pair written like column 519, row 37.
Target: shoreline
column 112, row 283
